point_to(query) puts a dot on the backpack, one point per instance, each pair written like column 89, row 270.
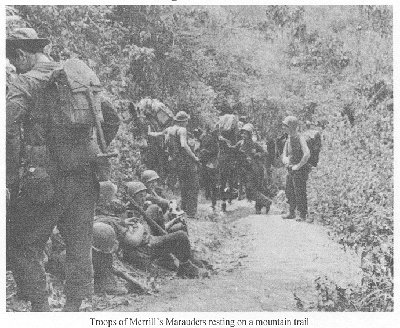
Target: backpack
column 74, row 104
column 228, row 126
column 314, row 143
column 228, row 123
column 155, row 110
column 71, row 84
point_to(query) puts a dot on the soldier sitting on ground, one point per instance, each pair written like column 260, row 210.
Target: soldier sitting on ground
column 160, row 206
column 156, row 243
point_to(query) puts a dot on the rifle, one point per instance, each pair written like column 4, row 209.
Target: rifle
column 99, row 129
column 153, row 225
column 132, row 281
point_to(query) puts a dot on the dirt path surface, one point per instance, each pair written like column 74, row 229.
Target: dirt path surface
column 271, row 259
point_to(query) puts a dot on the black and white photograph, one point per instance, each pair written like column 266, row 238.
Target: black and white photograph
column 182, row 158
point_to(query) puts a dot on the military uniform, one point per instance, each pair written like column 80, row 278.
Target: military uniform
column 152, row 245
column 49, row 193
column 209, row 151
column 187, row 175
column 251, row 163
column 296, row 181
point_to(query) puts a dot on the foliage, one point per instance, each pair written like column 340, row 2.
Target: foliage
column 331, row 65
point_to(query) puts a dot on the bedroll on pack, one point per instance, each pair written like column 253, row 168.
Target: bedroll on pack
column 228, row 122
column 314, row 143
column 153, row 108
column 72, row 82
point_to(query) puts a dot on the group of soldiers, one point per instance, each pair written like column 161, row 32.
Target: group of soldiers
column 58, row 130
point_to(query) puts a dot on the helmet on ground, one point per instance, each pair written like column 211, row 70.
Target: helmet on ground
column 247, row 127
column 104, row 238
column 291, row 121
column 108, row 190
column 133, row 187
column 149, row 175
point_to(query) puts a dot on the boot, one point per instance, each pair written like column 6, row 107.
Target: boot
column 267, row 207
column 188, row 270
column 223, row 206
column 309, row 219
column 289, row 216
column 303, row 217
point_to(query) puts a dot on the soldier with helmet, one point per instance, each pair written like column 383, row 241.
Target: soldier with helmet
column 251, row 165
column 150, row 179
column 295, row 156
column 157, row 204
column 145, row 239
column 183, row 161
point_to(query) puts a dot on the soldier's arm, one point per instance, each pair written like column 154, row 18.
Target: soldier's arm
column 183, row 138
column 156, row 134
column 158, row 200
column 135, row 235
column 111, row 121
column 17, row 102
column 285, row 157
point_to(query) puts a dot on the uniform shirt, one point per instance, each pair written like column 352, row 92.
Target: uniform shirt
column 121, row 229
column 158, row 200
column 24, row 92
column 294, row 151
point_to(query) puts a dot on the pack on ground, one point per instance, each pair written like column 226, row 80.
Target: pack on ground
column 314, row 143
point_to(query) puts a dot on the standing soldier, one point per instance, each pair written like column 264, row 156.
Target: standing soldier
column 251, row 161
column 52, row 166
column 183, row 160
column 295, row 156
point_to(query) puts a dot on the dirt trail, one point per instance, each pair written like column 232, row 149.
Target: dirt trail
column 278, row 257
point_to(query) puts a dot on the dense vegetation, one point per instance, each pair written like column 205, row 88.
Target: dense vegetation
column 329, row 65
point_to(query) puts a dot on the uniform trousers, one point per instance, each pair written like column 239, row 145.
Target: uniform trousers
column 31, row 224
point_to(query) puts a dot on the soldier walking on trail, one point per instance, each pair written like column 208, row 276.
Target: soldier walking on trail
column 295, row 157
column 183, row 161
column 251, row 163
column 53, row 167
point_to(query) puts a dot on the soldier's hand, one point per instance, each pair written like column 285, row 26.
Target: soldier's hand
column 295, row 167
column 8, row 196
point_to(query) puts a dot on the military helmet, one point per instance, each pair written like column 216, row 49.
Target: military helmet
column 181, row 116
column 108, row 190
column 104, row 238
column 149, row 175
column 133, row 187
column 247, row 127
column 291, row 121
column 27, row 39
